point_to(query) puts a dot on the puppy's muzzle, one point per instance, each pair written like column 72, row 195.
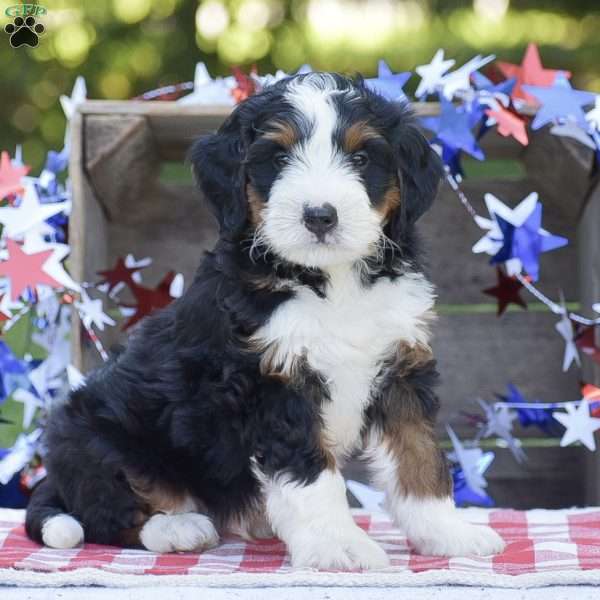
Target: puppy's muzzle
column 320, row 219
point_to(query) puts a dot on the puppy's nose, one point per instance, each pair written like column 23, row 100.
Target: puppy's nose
column 320, row 219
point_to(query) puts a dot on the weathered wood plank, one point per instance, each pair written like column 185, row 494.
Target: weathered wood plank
column 561, row 170
column 121, row 161
column 87, row 230
column 478, row 355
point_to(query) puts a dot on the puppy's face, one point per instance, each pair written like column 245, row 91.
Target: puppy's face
column 323, row 169
column 321, row 179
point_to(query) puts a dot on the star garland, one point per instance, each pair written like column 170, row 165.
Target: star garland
column 37, row 294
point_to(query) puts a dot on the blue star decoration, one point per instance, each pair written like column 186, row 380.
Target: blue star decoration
column 453, row 133
column 560, row 101
column 482, row 83
column 465, row 495
column 531, row 417
column 14, row 372
column 526, row 242
column 388, row 84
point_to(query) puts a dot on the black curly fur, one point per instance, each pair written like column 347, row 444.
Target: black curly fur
column 185, row 405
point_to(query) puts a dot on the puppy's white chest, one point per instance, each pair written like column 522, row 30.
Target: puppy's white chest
column 344, row 337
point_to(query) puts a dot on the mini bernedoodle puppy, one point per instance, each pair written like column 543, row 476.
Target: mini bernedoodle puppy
column 303, row 338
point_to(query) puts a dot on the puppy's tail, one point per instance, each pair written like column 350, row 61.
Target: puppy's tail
column 46, row 521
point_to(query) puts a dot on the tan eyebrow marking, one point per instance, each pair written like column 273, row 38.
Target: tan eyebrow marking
column 282, row 133
column 357, row 134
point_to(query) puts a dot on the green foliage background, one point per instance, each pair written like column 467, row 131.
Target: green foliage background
column 124, row 47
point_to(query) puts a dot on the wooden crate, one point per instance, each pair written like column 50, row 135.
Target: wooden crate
column 121, row 204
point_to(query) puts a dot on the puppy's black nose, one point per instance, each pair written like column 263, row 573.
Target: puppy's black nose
column 320, row 219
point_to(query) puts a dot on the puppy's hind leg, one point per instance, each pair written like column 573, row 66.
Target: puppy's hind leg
column 173, row 523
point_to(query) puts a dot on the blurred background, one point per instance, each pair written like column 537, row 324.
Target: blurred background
column 125, row 47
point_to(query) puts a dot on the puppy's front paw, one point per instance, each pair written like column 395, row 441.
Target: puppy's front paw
column 458, row 538
column 178, row 533
column 344, row 549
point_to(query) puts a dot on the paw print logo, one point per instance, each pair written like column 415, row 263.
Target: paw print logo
column 24, row 32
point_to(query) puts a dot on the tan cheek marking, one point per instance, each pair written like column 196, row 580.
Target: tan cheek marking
column 390, row 202
column 256, row 203
column 357, row 134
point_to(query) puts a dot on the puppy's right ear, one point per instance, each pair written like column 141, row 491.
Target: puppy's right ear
column 217, row 166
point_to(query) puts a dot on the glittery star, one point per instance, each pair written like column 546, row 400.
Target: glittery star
column 560, row 101
column 25, row 270
column 10, row 176
column 19, row 219
column 431, row 74
column 580, row 426
column 506, row 292
column 148, row 299
column 388, row 84
column 508, row 124
column 529, row 72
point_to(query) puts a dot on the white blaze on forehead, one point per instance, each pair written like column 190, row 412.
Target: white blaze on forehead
column 317, row 173
column 312, row 98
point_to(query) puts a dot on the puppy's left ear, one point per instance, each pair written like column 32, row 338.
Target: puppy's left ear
column 217, row 163
column 420, row 171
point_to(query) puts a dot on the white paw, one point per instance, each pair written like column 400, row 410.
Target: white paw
column 178, row 533
column 350, row 548
column 62, row 531
column 458, row 538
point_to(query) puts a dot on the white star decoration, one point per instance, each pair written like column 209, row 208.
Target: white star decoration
column 565, row 328
column 70, row 103
column 30, row 213
column 78, row 96
column 75, row 378
column 370, row 499
column 30, row 404
column 208, row 90
column 580, row 425
column 459, row 80
column 431, row 74
column 499, row 420
column 473, row 462
column 20, row 454
column 91, row 312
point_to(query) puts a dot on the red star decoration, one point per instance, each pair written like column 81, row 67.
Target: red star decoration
column 591, row 393
column 149, row 300
column 529, row 72
column 120, row 273
column 585, row 340
column 506, row 292
column 25, row 270
column 10, row 177
column 246, row 86
column 509, row 124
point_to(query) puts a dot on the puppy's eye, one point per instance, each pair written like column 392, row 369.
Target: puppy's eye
column 281, row 159
column 360, row 159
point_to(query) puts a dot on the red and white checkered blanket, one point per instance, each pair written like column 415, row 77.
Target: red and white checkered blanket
column 544, row 547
